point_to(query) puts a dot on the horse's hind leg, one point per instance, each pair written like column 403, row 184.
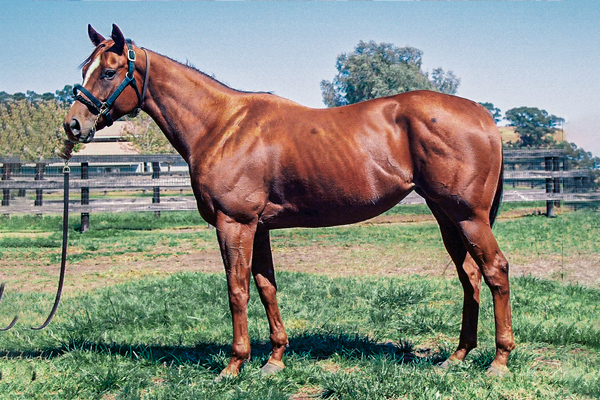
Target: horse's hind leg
column 470, row 278
column 264, row 276
column 481, row 244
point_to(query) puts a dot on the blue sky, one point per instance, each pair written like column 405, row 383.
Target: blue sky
column 543, row 54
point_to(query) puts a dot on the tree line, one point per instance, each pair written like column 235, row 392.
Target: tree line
column 31, row 123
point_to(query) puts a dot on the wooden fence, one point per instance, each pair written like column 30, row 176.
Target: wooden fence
column 534, row 175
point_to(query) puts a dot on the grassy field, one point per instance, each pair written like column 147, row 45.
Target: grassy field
column 145, row 313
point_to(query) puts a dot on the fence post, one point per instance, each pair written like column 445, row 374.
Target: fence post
column 39, row 175
column 556, row 167
column 5, row 177
column 85, row 197
column 19, row 169
column 549, row 165
column 156, row 189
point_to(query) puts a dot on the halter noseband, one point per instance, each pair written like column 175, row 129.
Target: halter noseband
column 102, row 108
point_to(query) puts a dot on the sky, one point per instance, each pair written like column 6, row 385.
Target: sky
column 543, row 54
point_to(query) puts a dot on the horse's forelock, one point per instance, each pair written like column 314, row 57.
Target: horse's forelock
column 93, row 55
column 100, row 47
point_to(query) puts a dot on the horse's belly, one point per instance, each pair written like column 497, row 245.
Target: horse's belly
column 328, row 213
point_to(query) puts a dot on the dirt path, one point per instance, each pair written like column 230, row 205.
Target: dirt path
column 338, row 261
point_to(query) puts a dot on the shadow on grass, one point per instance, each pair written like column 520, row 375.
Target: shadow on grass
column 311, row 345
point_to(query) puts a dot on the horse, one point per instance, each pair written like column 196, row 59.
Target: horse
column 259, row 162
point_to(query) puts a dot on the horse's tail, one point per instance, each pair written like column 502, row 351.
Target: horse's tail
column 498, row 197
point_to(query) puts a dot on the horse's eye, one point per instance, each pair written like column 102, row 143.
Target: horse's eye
column 109, row 74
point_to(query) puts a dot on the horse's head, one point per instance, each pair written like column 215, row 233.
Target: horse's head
column 109, row 90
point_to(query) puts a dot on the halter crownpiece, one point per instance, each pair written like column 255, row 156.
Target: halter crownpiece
column 102, row 108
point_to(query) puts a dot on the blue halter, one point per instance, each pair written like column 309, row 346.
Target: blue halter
column 102, row 108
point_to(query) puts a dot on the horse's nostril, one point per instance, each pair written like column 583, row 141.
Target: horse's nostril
column 75, row 127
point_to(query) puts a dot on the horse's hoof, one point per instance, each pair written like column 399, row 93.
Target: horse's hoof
column 271, row 368
column 498, row 371
column 224, row 375
column 448, row 364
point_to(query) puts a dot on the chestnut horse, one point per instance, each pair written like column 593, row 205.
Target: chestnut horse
column 259, row 162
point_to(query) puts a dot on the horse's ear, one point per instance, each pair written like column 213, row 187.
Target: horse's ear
column 119, row 40
column 95, row 37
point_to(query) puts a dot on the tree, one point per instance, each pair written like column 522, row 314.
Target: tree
column 579, row 157
column 31, row 129
column 4, row 97
column 445, row 82
column 495, row 112
column 382, row 69
column 19, row 96
column 535, row 127
column 65, row 96
column 146, row 137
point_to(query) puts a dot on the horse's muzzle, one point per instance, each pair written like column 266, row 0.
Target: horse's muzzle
column 76, row 134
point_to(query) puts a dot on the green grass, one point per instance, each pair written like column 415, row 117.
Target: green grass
column 350, row 338
column 110, row 234
column 570, row 233
column 102, row 221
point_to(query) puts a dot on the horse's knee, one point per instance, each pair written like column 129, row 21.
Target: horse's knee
column 238, row 300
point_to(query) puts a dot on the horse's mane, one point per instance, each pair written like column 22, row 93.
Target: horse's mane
column 190, row 66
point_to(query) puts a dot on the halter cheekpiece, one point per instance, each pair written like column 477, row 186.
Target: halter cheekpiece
column 102, row 108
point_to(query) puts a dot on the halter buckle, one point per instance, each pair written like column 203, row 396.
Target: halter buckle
column 131, row 55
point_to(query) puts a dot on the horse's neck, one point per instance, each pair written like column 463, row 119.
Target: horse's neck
column 186, row 104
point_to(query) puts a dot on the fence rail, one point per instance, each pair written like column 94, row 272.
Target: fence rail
column 110, row 183
column 541, row 175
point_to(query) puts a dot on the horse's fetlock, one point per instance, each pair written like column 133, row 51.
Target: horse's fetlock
column 241, row 352
column 506, row 345
column 279, row 339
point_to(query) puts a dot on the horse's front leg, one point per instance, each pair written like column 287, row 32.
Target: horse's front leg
column 264, row 276
column 236, row 242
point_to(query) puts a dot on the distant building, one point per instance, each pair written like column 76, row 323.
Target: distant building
column 109, row 141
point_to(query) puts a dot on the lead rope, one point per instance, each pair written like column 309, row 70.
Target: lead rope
column 14, row 321
column 63, row 259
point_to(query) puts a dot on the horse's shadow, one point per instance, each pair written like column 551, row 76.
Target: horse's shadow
column 311, row 345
